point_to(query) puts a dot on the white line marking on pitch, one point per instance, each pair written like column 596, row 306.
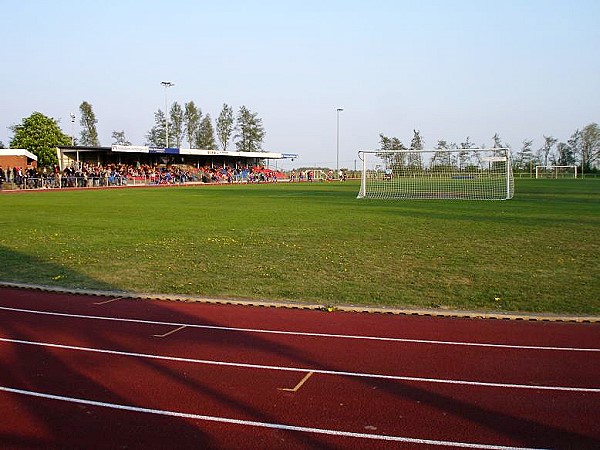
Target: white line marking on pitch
column 298, row 333
column 299, row 385
column 251, row 423
column 303, row 369
column 168, row 333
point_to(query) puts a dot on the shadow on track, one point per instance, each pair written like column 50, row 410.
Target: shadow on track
column 46, row 423
column 41, row 423
column 47, row 370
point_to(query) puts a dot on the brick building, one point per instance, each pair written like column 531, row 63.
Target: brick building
column 17, row 157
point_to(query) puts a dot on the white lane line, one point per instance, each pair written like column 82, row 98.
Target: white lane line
column 252, row 423
column 302, row 369
column 298, row 333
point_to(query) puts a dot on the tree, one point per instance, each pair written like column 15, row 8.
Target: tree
column 157, row 136
column 387, row 144
column 250, row 131
column 590, row 146
column 464, row 156
column 40, row 135
column 176, row 125
column 390, row 144
column 441, row 157
column 417, row 143
column 89, row 134
column 119, row 138
column 525, row 158
column 566, row 155
column 205, row 137
column 225, row 126
column 497, row 141
column 549, row 142
column 191, row 121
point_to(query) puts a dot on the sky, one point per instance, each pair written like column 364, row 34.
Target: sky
column 450, row 69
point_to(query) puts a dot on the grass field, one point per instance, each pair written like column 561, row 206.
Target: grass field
column 314, row 243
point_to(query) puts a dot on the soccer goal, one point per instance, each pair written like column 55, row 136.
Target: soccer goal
column 556, row 171
column 465, row 174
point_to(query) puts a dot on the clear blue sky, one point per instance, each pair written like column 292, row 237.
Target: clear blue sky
column 449, row 68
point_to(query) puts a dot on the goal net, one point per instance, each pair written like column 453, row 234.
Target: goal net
column 465, row 173
column 556, row 171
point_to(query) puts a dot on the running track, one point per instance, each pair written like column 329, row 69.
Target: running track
column 98, row 372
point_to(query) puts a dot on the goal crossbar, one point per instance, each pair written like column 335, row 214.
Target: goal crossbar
column 463, row 173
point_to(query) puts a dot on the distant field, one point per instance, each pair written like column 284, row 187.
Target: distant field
column 316, row 243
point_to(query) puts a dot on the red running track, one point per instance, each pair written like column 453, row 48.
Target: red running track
column 93, row 372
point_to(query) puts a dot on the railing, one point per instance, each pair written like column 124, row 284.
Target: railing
column 579, row 175
column 64, row 182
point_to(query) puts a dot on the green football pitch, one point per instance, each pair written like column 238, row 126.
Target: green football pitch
column 314, row 242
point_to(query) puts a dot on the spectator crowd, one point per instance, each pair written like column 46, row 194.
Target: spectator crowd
column 90, row 175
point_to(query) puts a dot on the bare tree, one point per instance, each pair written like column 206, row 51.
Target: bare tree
column 549, row 142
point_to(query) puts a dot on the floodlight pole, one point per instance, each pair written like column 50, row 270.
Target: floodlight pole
column 73, row 138
column 72, row 129
column 337, row 160
column 166, row 84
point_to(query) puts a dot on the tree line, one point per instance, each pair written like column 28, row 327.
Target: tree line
column 189, row 124
column 582, row 149
column 41, row 134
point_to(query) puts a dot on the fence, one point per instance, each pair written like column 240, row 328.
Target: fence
column 62, row 182
column 579, row 175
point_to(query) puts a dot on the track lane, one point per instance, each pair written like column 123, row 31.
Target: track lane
column 561, row 368
column 415, row 327
column 347, row 403
column 371, row 406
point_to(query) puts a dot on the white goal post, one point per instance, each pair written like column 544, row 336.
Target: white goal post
column 463, row 173
column 556, row 171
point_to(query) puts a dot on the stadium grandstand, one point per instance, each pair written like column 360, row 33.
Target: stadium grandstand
column 75, row 156
column 120, row 165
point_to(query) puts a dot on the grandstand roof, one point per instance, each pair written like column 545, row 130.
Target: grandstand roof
column 178, row 151
column 193, row 151
column 17, row 152
column 69, row 153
